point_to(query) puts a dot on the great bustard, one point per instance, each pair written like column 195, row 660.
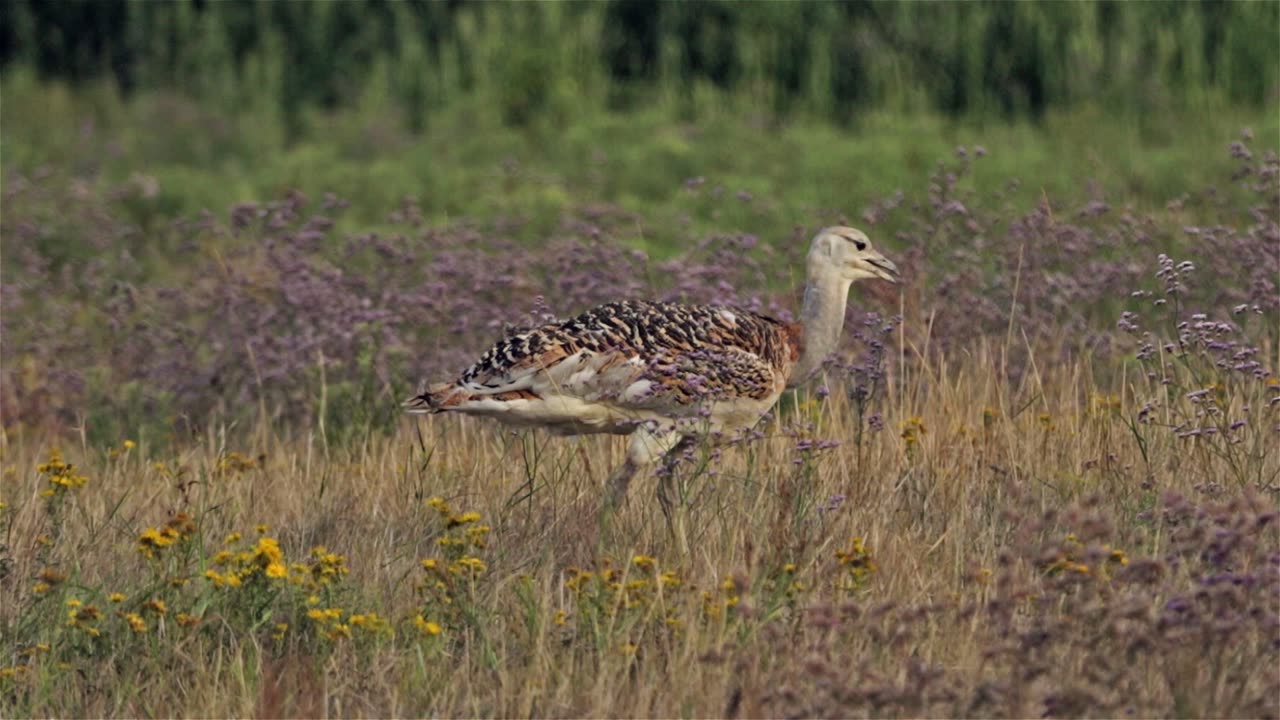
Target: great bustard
column 663, row 373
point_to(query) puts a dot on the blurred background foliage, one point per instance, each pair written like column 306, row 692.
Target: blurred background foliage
column 478, row 109
column 826, row 59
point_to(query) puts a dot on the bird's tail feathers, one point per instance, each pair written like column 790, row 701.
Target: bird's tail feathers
column 437, row 398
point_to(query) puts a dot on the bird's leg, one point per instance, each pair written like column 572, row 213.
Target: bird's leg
column 647, row 445
column 616, row 485
column 666, row 475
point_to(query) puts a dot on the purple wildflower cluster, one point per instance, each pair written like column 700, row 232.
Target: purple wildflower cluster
column 1074, row 619
column 114, row 312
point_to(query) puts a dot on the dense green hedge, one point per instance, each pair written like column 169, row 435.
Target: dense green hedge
column 537, row 60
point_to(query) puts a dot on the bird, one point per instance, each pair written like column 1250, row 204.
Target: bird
column 666, row 374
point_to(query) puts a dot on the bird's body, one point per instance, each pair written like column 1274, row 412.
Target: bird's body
column 664, row 373
column 625, row 364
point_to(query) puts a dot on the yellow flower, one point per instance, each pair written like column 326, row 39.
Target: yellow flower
column 41, row 588
column 463, row 519
column 267, row 552
column 136, row 623
column 428, row 627
column 561, row 618
column 129, row 444
column 116, row 597
column 186, row 620
column 220, row 580
column 152, row 540
column 325, row 615
column 912, row 429
column 857, row 559
column 232, row 539
column 60, row 475
column 156, row 606
column 477, row 535
column 644, row 562
column 277, row 570
column 262, row 529
column 430, row 564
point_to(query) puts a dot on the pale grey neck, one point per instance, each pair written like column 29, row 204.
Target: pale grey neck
column 826, row 295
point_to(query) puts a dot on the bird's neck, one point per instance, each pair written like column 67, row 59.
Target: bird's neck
column 826, row 294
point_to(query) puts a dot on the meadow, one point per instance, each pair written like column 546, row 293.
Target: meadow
column 1040, row 479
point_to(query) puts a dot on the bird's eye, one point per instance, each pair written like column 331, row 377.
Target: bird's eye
column 860, row 245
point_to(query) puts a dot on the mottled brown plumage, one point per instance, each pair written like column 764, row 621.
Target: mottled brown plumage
column 686, row 353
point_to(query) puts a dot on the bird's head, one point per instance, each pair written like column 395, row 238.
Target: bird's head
column 847, row 252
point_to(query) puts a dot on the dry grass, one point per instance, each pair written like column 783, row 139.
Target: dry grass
column 999, row 548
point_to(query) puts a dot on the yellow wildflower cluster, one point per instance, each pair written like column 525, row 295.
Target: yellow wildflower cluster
column 464, row 528
column 83, row 617
column 452, row 577
column 726, row 597
column 125, row 447
column 234, row 463
column 325, row 566
column 333, row 625
column 263, row 560
column 47, row 579
column 61, row 476
column 912, row 429
column 611, row 590
column 1071, row 558
column 153, row 541
column 135, row 621
column 858, row 561
column 787, row 580
column 427, row 627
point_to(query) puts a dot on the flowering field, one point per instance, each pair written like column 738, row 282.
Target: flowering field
column 1041, row 478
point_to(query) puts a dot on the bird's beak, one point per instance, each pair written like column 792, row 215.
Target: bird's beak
column 883, row 268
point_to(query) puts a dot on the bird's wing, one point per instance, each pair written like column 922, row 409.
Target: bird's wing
column 640, row 355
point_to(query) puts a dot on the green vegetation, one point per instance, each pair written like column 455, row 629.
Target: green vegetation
column 468, row 164
column 817, row 108
column 833, row 60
